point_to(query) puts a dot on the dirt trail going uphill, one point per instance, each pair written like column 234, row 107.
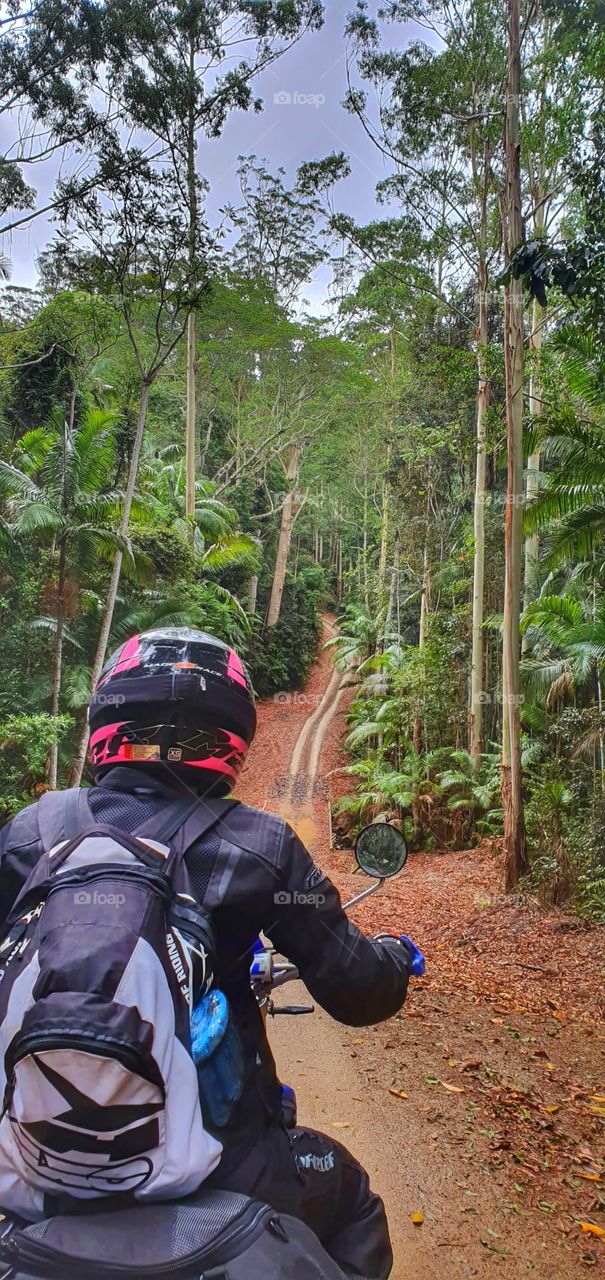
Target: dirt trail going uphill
column 283, row 773
column 482, row 1106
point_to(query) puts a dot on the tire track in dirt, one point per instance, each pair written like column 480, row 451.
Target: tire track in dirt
column 299, row 806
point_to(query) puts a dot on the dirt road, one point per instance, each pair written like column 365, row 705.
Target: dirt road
column 479, row 1107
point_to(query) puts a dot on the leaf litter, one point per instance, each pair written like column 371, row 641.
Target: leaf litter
column 513, row 1002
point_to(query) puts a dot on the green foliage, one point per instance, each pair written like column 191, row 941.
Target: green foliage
column 376, row 401
column 570, row 506
column 473, row 791
column 24, row 743
column 282, row 661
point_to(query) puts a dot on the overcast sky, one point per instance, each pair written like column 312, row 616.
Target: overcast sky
column 303, row 119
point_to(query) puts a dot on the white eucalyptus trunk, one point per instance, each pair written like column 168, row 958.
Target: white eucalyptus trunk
column 478, row 640
column 514, row 352
column 114, row 581
column 288, row 515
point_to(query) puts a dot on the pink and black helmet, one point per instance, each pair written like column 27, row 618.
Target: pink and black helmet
column 174, row 697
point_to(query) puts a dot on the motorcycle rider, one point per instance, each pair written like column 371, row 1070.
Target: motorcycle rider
column 173, row 714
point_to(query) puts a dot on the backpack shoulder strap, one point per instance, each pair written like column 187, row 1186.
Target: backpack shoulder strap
column 62, row 815
column 186, row 821
column 203, row 818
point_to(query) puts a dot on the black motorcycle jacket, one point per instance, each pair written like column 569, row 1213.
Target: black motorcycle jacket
column 252, row 874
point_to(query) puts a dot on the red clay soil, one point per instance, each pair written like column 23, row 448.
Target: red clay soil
column 499, row 1054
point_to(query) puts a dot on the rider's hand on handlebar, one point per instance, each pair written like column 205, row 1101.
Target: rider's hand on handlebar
column 415, row 958
column 418, row 962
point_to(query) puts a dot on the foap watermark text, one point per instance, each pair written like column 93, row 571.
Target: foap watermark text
column 286, row 899
column 297, row 99
column 97, row 898
column 298, row 699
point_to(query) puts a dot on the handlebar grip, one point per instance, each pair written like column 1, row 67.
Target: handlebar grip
column 294, row 1009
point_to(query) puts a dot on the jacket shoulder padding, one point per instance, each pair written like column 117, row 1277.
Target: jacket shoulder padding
column 256, row 831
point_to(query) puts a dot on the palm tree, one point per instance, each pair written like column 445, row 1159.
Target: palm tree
column 217, row 544
column 473, row 787
column 566, row 636
column 359, row 637
column 570, row 505
column 566, row 655
column 412, row 789
column 55, row 488
column 556, row 800
column 163, row 478
column 218, row 548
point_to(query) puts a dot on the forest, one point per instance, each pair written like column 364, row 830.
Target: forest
column 184, row 440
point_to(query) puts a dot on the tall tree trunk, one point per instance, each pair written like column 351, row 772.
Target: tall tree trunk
column 57, row 667
column 366, row 586
column 540, row 180
column 512, row 797
column 52, row 758
column 288, row 515
column 386, row 490
column 191, row 415
column 190, row 427
column 114, row 581
column 392, row 594
column 478, row 643
column 532, row 540
column 252, row 594
column 425, row 600
column 425, row 608
column 384, row 536
column 206, row 444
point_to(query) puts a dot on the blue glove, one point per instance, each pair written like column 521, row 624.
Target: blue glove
column 418, row 962
column 415, row 958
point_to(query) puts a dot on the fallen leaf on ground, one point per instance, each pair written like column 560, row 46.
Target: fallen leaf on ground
column 417, row 1218
column 593, row 1229
column 398, row 1093
column 452, row 1088
column 340, row 1124
column 487, row 1244
column 590, row 1177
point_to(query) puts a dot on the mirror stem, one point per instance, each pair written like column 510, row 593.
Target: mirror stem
column 365, row 893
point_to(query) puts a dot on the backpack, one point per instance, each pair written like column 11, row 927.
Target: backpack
column 216, row 1235
column 105, row 955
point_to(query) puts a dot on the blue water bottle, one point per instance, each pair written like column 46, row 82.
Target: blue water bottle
column 217, row 1052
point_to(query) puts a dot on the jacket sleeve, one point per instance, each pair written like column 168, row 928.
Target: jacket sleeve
column 20, row 848
column 356, row 980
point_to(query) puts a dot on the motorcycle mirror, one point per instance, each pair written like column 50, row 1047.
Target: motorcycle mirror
column 381, row 850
